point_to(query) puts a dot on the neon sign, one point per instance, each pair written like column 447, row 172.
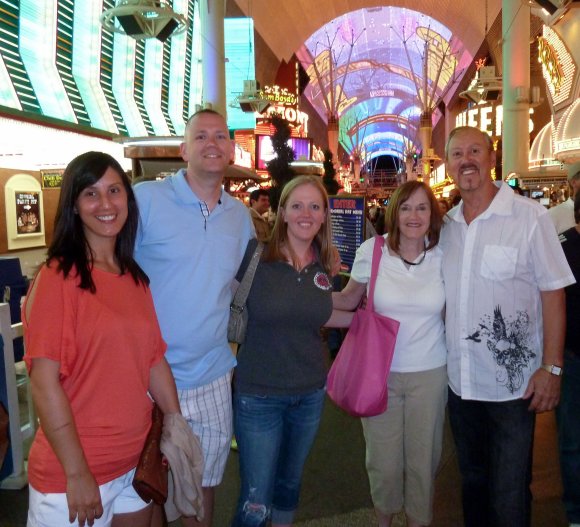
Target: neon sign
column 558, row 66
column 549, row 60
column 292, row 115
column 488, row 119
column 278, row 95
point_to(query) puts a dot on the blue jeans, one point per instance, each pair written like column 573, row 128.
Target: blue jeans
column 494, row 443
column 568, row 417
column 274, row 435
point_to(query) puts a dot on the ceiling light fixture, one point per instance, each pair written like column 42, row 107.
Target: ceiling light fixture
column 142, row 19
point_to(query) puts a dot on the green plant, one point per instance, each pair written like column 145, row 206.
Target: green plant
column 329, row 179
column 279, row 167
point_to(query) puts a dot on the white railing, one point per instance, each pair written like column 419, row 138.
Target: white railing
column 16, row 380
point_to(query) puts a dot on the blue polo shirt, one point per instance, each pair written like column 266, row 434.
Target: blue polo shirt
column 191, row 261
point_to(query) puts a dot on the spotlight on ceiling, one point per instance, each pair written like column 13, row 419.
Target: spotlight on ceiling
column 141, row 19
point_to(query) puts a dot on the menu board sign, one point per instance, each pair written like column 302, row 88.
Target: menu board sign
column 347, row 214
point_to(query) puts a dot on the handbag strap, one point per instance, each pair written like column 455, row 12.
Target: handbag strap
column 243, row 290
column 377, row 254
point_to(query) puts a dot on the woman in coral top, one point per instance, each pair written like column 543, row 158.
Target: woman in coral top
column 93, row 350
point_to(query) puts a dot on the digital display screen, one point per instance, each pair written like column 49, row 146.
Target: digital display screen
column 265, row 151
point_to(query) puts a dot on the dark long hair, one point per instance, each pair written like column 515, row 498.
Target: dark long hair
column 69, row 247
column 402, row 194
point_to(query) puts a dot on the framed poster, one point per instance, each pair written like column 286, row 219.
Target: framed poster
column 24, row 212
column 28, row 219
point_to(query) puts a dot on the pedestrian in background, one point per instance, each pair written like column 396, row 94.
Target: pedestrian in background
column 568, row 411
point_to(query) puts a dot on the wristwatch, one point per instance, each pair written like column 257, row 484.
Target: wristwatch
column 553, row 369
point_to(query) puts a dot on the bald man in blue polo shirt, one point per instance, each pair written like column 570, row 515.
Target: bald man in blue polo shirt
column 191, row 241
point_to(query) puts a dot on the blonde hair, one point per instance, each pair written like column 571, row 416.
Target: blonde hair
column 279, row 237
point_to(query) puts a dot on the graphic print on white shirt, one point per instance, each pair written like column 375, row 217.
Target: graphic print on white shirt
column 508, row 341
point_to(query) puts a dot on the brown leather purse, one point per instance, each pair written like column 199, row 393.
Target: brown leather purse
column 150, row 480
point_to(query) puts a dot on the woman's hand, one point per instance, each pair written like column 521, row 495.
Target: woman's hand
column 83, row 498
column 57, row 422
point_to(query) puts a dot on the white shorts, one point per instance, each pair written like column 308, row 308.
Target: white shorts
column 51, row 510
column 208, row 411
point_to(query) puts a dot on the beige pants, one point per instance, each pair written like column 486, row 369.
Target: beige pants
column 403, row 445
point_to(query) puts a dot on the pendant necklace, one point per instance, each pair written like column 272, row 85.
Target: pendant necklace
column 415, row 263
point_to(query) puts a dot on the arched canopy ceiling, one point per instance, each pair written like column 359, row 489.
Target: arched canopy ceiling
column 379, row 86
column 378, row 70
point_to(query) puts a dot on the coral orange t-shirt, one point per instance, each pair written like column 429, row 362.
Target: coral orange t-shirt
column 105, row 344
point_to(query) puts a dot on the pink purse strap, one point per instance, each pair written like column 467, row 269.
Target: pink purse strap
column 377, row 254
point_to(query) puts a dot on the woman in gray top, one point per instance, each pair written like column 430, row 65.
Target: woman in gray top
column 280, row 378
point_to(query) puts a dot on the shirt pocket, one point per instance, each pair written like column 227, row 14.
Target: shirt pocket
column 499, row 262
column 228, row 253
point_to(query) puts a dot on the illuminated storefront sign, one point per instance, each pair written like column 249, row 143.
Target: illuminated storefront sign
column 558, row 66
column 488, row 119
column 51, row 178
column 279, row 96
column 551, row 68
column 292, row 115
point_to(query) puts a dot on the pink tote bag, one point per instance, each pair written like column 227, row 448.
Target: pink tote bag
column 357, row 380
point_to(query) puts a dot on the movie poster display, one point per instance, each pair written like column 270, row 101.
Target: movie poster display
column 27, row 212
column 23, row 205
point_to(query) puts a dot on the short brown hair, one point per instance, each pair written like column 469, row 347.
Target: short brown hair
column 402, row 194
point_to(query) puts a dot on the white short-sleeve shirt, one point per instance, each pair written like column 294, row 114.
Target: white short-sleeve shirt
column 415, row 297
column 563, row 215
column 494, row 269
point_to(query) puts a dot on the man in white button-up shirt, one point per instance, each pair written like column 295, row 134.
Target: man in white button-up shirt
column 563, row 214
column 504, row 273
